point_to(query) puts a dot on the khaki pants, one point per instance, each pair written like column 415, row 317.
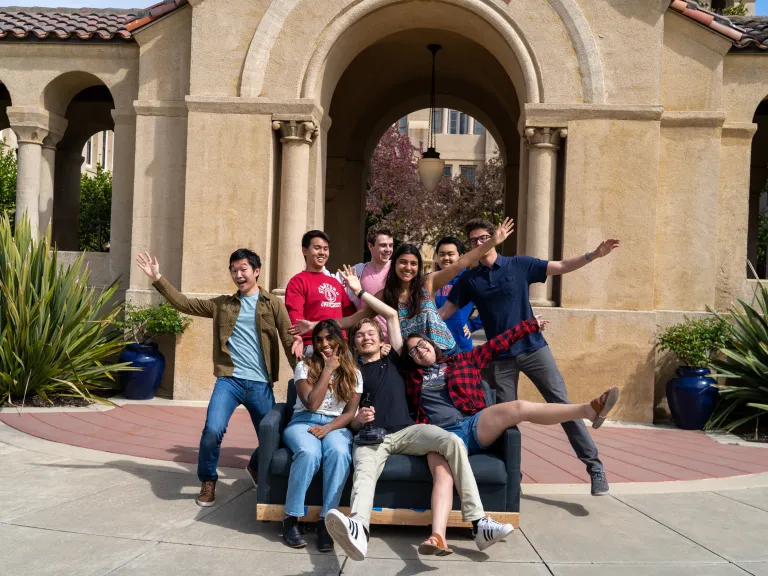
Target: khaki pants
column 415, row 440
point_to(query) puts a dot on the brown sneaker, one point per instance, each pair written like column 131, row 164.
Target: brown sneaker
column 253, row 474
column 603, row 405
column 207, row 495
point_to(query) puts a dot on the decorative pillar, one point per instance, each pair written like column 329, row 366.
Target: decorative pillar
column 296, row 137
column 30, row 142
column 542, row 144
column 121, row 215
column 47, row 173
column 66, row 207
column 444, row 121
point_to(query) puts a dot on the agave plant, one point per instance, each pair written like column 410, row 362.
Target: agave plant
column 57, row 335
column 744, row 396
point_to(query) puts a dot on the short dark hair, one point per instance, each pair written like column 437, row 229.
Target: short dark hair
column 374, row 233
column 479, row 224
column 245, row 254
column 306, row 240
column 410, row 364
column 450, row 240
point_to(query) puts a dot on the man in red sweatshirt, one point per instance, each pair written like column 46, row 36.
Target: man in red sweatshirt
column 314, row 295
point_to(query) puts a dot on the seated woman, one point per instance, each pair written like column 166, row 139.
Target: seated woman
column 448, row 392
column 328, row 388
column 412, row 294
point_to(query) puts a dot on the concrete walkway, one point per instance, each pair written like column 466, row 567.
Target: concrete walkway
column 75, row 511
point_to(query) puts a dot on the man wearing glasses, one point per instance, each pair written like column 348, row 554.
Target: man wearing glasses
column 498, row 286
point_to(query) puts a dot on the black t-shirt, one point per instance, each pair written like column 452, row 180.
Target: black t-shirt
column 384, row 383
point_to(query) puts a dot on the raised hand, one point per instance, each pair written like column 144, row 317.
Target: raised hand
column 605, row 248
column 148, row 264
column 301, row 327
column 467, row 333
column 333, row 362
column 503, row 231
column 350, row 277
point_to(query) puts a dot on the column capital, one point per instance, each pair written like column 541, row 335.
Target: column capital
column 123, row 116
column 35, row 125
column 544, row 138
column 300, row 131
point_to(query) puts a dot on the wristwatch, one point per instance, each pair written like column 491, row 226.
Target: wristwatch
column 360, row 294
column 586, row 255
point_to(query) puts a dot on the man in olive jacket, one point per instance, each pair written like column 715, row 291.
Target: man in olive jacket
column 248, row 327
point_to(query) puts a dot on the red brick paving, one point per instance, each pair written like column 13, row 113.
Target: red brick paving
column 629, row 454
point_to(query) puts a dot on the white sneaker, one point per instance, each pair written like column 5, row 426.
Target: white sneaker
column 349, row 533
column 489, row 532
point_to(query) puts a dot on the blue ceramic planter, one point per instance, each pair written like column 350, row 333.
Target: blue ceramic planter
column 142, row 385
column 692, row 397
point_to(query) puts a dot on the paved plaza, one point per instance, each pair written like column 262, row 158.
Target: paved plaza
column 71, row 510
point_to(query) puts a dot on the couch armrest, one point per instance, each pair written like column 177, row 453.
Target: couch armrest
column 270, row 431
column 511, row 447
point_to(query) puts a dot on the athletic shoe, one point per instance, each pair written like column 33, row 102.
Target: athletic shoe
column 599, row 482
column 207, row 496
column 603, row 405
column 349, row 533
column 489, row 532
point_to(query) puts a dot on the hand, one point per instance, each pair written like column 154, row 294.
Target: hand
column 365, row 415
column 302, row 327
column 350, row 277
column 148, row 264
column 503, row 231
column 542, row 322
column 467, row 333
column 319, row 431
column 297, row 348
column 333, row 362
column 386, row 349
column 605, row 248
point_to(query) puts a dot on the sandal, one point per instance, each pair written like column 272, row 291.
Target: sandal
column 434, row 546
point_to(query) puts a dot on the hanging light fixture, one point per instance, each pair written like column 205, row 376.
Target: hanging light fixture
column 430, row 166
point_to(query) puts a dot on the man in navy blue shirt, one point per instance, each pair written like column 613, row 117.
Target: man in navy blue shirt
column 498, row 286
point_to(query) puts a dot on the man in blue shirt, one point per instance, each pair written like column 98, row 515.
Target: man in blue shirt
column 498, row 286
column 461, row 325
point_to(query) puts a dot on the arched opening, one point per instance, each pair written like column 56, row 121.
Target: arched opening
column 7, row 157
column 390, row 80
column 757, row 243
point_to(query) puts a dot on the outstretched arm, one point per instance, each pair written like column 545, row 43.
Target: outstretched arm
column 438, row 279
column 571, row 264
column 483, row 354
column 447, row 310
column 192, row 306
column 379, row 307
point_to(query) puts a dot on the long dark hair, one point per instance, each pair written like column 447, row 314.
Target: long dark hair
column 345, row 382
column 391, row 292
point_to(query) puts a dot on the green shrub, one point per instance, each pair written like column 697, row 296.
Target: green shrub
column 57, row 335
column 8, row 183
column 95, row 211
column 745, row 367
column 144, row 322
column 694, row 341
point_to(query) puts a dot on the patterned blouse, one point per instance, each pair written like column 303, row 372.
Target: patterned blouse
column 427, row 322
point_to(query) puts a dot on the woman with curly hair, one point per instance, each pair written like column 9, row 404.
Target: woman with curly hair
column 328, row 388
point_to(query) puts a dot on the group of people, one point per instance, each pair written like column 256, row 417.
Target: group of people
column 408, row 347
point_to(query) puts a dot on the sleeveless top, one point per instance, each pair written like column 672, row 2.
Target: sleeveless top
column 427, row 322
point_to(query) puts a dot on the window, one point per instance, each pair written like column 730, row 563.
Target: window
column 402, row 125
column 468, row 172
column 458, row 123
column 88, row 146
column 104, row 137
column 479, row 129
column 437, row 120
column 447, row 170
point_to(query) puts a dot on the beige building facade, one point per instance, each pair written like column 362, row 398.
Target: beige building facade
column 247, row 122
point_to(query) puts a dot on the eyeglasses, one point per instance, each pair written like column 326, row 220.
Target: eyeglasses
column 480, row 239
column 421, row 345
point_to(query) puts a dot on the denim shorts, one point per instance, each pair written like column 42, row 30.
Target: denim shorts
column 467, row 431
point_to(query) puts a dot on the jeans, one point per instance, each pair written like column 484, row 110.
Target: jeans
column 540, row 366
column 334, row 451
column 228, row 393
column 467, row 431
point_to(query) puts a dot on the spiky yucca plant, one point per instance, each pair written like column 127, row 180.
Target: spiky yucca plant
column 744, row 396
column 57, row 335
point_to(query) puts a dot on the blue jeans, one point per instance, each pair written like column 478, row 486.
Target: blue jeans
column 467, row 431
column 228, row 393
column 334, row 451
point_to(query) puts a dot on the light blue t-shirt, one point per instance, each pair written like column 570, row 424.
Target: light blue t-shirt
column 244, row 346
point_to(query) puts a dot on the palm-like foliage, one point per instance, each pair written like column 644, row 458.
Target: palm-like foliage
column 56, row 334
column 745, row 394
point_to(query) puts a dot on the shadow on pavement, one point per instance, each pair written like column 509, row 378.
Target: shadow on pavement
column 572, row 508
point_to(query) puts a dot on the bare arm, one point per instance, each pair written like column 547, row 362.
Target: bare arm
column 447, row 310
column 571, row 264
column 438, row 279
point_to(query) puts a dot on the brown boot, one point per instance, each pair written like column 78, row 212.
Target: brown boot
column 207, row 495
column 603, row 405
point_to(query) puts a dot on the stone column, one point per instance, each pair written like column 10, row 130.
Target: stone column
column 30, row 142
column 121, row 218
column 542, row 144
column 47, row 177
column 66, row 207
column 296, row 137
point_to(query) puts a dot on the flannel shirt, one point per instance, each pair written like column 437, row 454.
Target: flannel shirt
column 462, row 373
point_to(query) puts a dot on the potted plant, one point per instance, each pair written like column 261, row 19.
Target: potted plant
column 141, row 323
column 692, row 394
